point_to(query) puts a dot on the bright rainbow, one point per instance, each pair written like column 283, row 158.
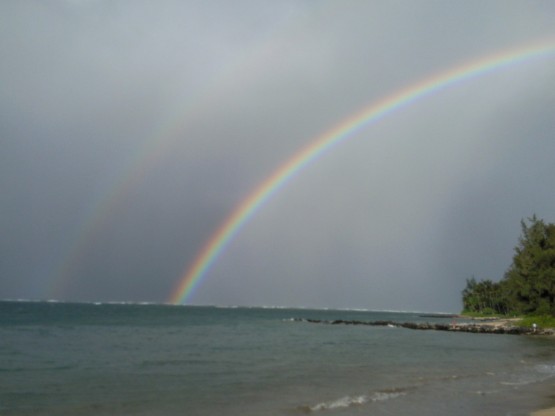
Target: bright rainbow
column 347, row 128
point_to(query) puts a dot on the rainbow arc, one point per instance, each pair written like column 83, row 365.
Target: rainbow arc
column 347, row 128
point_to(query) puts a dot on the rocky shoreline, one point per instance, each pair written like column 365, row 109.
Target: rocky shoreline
column 491, row 327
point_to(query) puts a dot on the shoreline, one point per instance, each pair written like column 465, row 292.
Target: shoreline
column 485, row 326
column 497, row 326
column 546, row 395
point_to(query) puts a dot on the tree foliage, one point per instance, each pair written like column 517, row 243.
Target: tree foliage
column 528, row 286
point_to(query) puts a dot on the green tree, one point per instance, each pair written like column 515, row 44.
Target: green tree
column 469, row 295
column 483, row 297
column 531, row 277
column 528, row 286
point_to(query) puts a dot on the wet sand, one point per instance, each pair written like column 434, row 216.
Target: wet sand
column 545, row 412
column 549, row 400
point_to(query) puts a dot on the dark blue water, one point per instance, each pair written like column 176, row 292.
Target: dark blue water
column 87, row 359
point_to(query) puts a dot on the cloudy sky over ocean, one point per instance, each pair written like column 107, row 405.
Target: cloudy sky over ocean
column 131, row 130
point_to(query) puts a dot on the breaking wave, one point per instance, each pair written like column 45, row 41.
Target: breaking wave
column 351, row 401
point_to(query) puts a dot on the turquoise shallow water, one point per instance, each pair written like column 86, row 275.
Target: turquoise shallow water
column 106, row 359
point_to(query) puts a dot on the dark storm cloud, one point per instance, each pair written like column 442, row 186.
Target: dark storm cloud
column 130, row 130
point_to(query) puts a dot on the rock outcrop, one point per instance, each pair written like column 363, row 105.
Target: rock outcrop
column 482, row 328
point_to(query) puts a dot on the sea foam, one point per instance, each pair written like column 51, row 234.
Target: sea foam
column 350, row 401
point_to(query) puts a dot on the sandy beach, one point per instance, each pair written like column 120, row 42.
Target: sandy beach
column 544, row 412
column 498, row 321
column 548, row 394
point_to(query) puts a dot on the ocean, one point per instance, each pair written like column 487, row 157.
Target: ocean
column 134, row 359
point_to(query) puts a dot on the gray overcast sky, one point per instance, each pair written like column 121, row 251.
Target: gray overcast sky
column 130, row 130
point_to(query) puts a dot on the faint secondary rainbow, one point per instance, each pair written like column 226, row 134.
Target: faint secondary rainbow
column 251, row 60
column 342, row 131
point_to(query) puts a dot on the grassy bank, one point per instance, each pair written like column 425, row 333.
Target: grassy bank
column 540, row 321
